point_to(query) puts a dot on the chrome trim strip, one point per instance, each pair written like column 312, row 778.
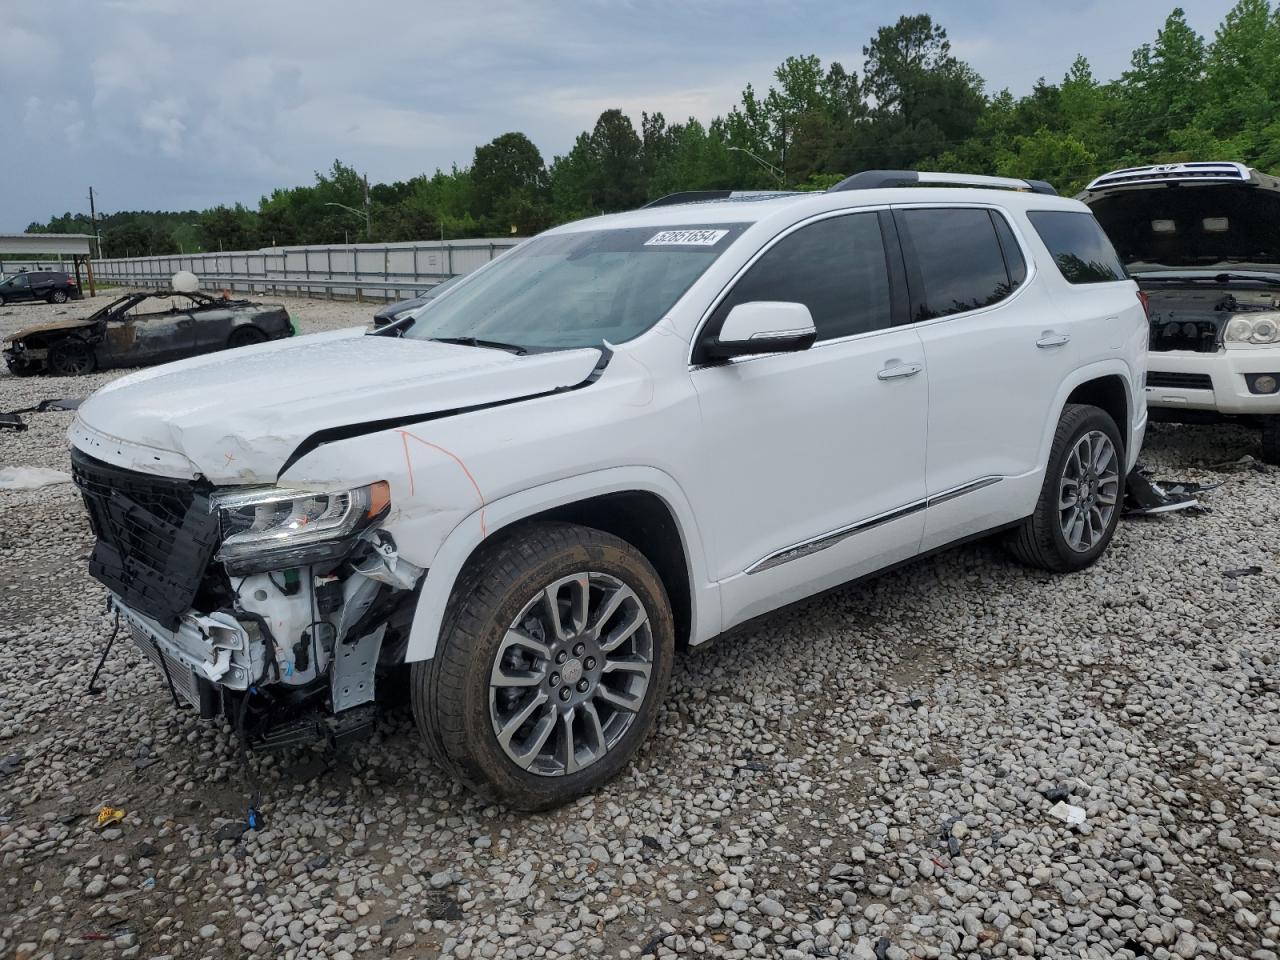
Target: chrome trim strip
column 816, row 544
column 961, row 490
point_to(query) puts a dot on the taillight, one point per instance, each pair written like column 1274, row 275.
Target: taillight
column 1145, row 300
column 71, row 281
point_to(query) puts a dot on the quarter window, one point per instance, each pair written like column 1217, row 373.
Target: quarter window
column 959, row 264
column 835, row 267
column 1078, row 246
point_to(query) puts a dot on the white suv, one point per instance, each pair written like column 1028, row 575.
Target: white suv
column 1202, row 242
column 625, row 436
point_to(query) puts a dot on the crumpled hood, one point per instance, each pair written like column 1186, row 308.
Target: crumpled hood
column 45, row 327
column 237, row 416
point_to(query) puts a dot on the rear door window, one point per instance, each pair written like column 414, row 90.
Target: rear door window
column 836, row 267
column 1078, row 246
column 957, row 258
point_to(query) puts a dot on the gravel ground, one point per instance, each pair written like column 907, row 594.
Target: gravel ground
column 868, row 774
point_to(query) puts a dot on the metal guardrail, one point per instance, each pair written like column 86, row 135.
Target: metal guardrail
column 376, row 271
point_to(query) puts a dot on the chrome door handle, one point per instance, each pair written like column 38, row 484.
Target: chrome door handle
column 900, row 371
column 1056, row 340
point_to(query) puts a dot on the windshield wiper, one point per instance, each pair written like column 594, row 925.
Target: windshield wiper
column 1214, row 278
column 477, row 342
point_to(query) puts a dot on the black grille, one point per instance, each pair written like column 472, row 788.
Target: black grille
column 1184, row 381
column 155, row 536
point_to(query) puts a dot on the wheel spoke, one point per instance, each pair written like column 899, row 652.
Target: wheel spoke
column 579, row 588
column 619, row 701
column 521, row 640
column 509, row 728
column 591, row 717
column 628, row 665
column 567, row 744
column 624, row 633
column 546, row 724
column 609, row 607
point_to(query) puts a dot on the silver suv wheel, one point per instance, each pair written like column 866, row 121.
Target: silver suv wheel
column 1089, row 490
column 571, row 673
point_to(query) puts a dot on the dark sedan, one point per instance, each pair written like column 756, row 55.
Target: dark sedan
column 394, row 311
column 145, row 328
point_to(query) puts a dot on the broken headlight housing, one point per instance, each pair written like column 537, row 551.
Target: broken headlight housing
column 271, row 528
column 1263, row 328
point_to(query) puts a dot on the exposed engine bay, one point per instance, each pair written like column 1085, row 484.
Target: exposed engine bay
column 289, row 654
column 1195, row 316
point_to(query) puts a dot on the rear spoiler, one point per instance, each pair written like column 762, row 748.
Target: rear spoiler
column 882, row 179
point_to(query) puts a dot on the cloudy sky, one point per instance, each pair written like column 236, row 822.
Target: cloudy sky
column 174, row 104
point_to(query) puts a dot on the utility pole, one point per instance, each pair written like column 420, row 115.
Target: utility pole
column 368, row 230
column 93, row 223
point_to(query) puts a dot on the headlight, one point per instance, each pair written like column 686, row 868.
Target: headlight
column 1260, row 329
column 271, row 528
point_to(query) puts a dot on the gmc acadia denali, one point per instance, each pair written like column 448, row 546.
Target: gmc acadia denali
column 624, row 436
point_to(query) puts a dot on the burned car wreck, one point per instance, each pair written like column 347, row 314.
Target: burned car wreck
column 144, row 328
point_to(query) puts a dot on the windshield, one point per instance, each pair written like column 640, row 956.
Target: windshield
column 577, row 289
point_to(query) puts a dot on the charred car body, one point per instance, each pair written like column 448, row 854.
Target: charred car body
column 1203, row 242
column 144, row 328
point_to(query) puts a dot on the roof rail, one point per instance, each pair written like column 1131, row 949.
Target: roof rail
column 1172, row 173
column 879, row 179
column 701, row 196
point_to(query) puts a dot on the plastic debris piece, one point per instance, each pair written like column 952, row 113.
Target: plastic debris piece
column 1144, row 496
column 30, row 478
column 1068, row 812
column 109, row 815
column 11, row 421
column 1251, row 571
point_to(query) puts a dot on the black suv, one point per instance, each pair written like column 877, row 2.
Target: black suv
column 52, row 286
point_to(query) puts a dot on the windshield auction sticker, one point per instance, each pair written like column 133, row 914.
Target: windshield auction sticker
column 686, row 238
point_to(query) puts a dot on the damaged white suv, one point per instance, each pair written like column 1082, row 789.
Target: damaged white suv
column 625, row 436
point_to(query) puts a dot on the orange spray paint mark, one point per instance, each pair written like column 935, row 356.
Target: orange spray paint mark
column 406, row 436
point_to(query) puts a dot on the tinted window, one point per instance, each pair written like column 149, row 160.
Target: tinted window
column 1078, row 246
column 1013, row 261
column 835, row 267
column 958, row 259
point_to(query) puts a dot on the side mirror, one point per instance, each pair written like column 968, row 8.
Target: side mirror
column 763, row 326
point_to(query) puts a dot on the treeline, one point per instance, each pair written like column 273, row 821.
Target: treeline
column 913, row 105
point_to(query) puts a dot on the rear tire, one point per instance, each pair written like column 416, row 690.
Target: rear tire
column 1080, row 502
column 245, row 337
column 58, row 296
column 1271, row 439
column 514, row 690
column 71, row 358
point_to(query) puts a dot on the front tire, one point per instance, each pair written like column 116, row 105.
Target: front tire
column 71, row 358
column 1271, row 439
column 245, row 337
column 1081, row 499
column 554, row 658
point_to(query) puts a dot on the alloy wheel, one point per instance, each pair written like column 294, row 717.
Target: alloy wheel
column 1088, row 490
column 571, row 674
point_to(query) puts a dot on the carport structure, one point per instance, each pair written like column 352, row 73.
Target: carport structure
column 74, row 245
